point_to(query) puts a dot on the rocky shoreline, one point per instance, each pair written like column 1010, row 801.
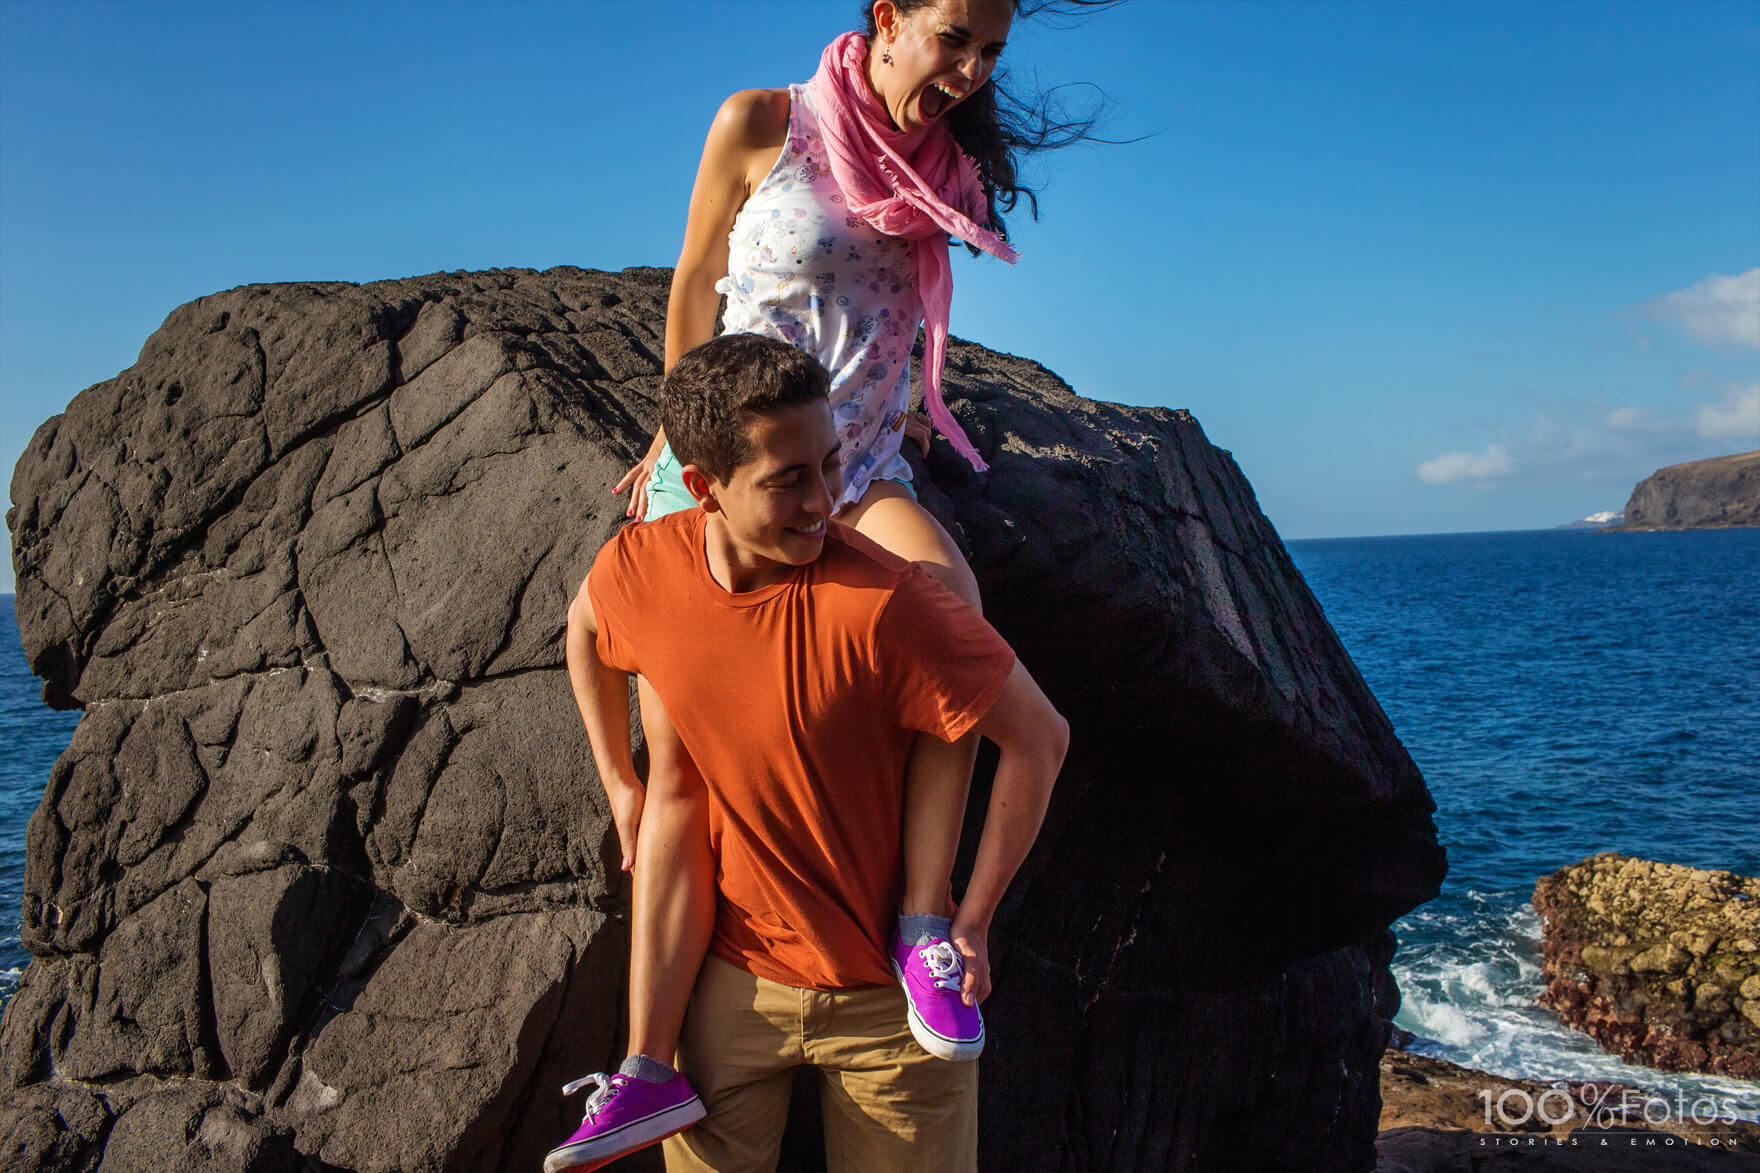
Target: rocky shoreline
column 1657, row 962
column 1438, row 1117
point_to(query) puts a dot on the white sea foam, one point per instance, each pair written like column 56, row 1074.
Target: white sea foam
column 1469, row 984
column 1440, row 1021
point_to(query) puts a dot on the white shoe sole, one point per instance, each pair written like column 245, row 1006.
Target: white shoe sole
column 953, row 1050
column 637, row 1134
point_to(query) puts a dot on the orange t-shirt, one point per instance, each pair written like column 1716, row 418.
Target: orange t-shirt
column 799, row 703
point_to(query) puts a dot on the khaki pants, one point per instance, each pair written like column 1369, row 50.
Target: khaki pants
column 888, row 1104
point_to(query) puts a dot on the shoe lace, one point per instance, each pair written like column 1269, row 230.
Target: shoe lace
column 607, row 1090
column 944, row 964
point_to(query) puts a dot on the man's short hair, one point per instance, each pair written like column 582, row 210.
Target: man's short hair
column 714, row 390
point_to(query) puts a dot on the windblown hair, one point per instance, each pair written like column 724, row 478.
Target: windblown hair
column 715, row 390
column 996, row 125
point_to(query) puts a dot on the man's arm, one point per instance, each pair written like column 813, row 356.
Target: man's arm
column 1033, row 738
column 602, row 694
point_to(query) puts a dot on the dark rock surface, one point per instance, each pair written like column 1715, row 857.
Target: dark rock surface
column 1702, row 494
column 1659, row 963
column 325, row 880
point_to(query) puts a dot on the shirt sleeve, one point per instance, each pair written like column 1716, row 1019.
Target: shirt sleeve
column 943, row 664
column 606, row 583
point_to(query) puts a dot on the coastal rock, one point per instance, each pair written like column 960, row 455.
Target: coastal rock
column 325, row 878
column 1659, row 963
column 1701, row 494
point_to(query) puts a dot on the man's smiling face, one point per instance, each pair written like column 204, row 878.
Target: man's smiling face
column 774, row 506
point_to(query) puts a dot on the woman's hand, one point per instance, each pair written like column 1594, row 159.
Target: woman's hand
column 636, row 479
column 917, row 427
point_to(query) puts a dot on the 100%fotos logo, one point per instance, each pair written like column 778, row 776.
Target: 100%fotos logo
column 1599, row 1104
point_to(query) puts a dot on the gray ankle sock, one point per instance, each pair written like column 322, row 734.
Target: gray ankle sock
column 916, row 927
column 648, row 1070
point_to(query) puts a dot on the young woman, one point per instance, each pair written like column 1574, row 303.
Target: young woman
column 823, row 212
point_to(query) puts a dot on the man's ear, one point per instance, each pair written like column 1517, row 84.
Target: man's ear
column 698, row 483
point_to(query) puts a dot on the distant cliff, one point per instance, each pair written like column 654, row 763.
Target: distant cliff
column 1701, row 494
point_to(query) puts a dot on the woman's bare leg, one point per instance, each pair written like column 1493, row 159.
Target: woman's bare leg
column 938, row 776
column 673, row 907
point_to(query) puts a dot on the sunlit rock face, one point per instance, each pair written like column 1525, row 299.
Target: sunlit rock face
column 1701, row 494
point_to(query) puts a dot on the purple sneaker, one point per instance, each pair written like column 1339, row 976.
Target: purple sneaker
column 940, row 1020
column 624, row 1114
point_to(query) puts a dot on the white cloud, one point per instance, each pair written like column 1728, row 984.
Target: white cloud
column 1717, row 309
column 1737, row 416
column 1627, row 419
column 1465, row 466
column 1576, row 440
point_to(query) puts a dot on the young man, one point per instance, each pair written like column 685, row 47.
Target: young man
column 797, row 662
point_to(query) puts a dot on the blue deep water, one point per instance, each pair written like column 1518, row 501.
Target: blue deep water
column 32, row 736
column 1564, row 693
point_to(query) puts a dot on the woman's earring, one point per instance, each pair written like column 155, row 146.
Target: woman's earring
column 886, row 55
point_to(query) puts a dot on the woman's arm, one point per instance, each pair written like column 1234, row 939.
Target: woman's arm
column 741, row 148
column 743, row 142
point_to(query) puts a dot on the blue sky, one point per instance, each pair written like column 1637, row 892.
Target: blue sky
column 1421, row 267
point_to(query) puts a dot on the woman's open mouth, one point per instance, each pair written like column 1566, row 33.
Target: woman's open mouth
column 937, row 100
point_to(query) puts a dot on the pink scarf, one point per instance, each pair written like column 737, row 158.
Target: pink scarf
column 902, row 185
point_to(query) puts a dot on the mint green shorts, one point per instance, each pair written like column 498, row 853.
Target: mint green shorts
column 666, row 491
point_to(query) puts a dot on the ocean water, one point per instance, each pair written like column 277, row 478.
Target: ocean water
column 1564, row 693
column 32, row 736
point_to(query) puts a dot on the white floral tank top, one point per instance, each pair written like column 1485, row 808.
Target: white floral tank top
column 806, row 271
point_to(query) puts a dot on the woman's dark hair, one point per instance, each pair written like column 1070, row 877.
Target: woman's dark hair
column 996, row 125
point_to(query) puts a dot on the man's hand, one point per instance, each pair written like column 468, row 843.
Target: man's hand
column 626, row 798
column 973, row 944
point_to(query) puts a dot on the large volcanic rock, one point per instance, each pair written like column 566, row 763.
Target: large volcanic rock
column 1701, row 494
column 1659, row 963
column 325, row 875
